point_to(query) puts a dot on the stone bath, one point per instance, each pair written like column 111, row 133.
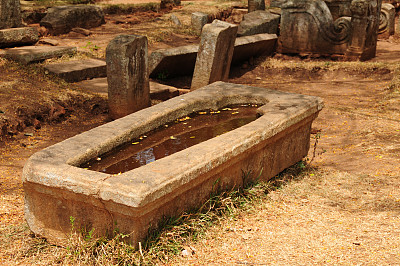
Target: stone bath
column 56, row 189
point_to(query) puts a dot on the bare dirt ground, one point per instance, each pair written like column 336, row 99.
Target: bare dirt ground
column 344, row 211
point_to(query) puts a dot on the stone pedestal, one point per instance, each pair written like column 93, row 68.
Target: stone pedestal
column 10, row 14
column 127, row 75
column 214, row 57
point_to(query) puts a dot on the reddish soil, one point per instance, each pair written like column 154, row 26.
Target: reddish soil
column 359, row 131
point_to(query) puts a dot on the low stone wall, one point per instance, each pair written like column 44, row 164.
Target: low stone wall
column 56, row 189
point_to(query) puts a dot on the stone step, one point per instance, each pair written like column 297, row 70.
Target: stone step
column 30, row 54
column 157, row 91
column 78, row 70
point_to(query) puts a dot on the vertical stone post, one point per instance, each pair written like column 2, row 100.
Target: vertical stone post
column 214, row 57
column 199, row 19
column 10, row 14
column 254, row 5
column 127, row 75
column 365, row 23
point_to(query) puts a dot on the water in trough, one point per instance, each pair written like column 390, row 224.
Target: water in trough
column 173, row 137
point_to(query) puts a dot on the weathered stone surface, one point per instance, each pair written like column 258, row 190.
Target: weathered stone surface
column 174, row 19
column 180, row 61
column 177, row 61
column 57, row 189
column 277, row 3
column 18, row 37
column 49, row 41
column 29, row 54
column 387, row 20
column 157, row 91
column 236, row 15
column 339, row 8
column 365, row 25
column 82, row 31
column 62, row 19
column 254, row 5
column 259, row 22
column 10, row 14
column 307, row 27
column 253, row 46
column 214, row 57
column 199, row 19
column 127, row 75
column 77, row 70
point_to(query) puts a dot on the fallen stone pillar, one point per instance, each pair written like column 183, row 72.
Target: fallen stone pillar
column 214, row 58
column 10, row 14
column 127, row 75
column 30, row 54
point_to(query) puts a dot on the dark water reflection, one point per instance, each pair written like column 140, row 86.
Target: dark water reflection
column 173, row 137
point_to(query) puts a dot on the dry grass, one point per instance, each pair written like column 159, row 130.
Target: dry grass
column 173, row 234
column 318, row 65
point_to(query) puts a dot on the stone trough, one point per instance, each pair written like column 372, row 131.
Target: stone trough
column 56, row 189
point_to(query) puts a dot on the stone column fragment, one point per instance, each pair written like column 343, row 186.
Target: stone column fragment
column 387, row 20
column 127, row 75
column 10, row 14
column 214, row 57
column 199, row 19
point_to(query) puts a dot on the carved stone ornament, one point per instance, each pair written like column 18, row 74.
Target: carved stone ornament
column 307, row 26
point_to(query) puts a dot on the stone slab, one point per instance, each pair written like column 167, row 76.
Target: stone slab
column 77, row 70
column 18, row 36
column 259, row 22
column 180, row 61
column 56, row 189
column 157, row 91
column 213, row 61
column 30, row 54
